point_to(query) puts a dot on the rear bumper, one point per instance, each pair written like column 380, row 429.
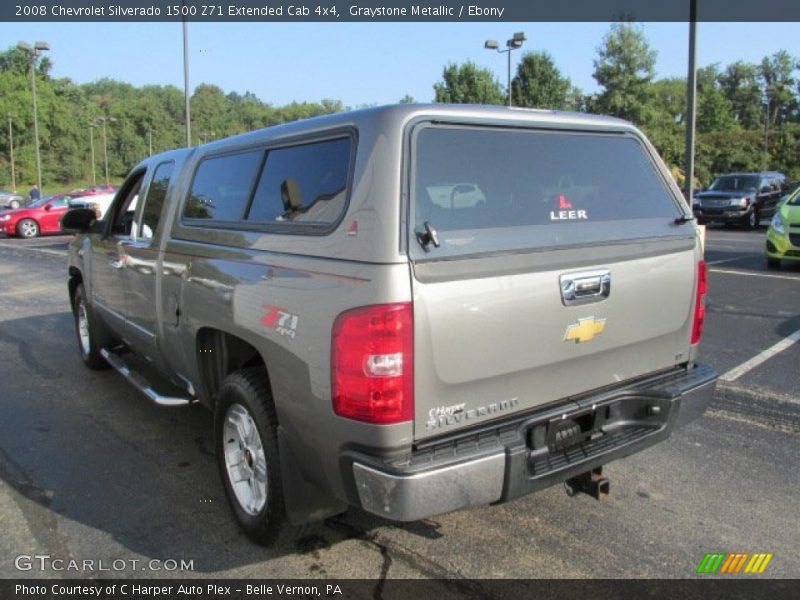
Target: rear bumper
column 525, row 454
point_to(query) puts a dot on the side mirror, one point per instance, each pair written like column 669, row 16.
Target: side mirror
column 78, row 220
column 48, row 206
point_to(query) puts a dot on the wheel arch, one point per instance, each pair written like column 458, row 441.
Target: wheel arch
column 218, row 354
column 75, row 279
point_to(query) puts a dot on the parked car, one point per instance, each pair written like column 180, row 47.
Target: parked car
column 743, row 198
column 783, row 235
column 410, row 309
column 98, row 202
column 10, row 200
column 40, row 217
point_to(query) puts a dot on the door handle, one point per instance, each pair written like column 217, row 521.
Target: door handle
column 586, row 287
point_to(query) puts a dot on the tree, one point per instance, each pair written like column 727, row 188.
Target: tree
column 714, row 110
column 740, row 84
column 468, row 84
column 666, row 123
column 625, row 68
column 539, row 84
column 777, row 75
column 407, row 99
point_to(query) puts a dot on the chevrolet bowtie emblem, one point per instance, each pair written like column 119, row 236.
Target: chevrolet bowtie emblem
column 584, row 330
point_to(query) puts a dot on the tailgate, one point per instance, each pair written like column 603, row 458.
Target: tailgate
column 559, row 269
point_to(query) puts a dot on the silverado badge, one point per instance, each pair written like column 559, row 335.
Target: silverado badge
column 584, row 330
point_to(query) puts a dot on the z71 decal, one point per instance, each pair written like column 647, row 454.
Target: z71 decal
column 281, row 320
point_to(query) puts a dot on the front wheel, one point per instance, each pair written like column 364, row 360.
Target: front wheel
column 247, row 455
column 753, row 219
column 27, row 228
column 14, row 204
column 86, row 331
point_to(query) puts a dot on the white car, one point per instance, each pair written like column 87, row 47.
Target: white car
column 97, row 202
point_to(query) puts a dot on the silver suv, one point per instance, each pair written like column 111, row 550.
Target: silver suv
column 409, row 309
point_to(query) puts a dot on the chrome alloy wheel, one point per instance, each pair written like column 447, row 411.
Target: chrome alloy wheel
column 28, row 229
column 245, row 461
column 83, row 329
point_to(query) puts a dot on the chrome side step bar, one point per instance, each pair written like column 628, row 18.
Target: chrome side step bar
column 141, row 383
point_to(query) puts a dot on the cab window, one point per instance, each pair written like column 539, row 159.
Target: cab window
column 154, row 203
column 124, row 208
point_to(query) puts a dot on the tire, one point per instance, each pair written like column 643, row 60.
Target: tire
column 14, row 204
column 86, row 331
column 247, row 455
column 773, row 263
column 753, row 219
column 27, row 228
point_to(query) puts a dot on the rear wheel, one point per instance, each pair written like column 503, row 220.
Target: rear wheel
column 14, row 204
column 247, row 455
column 27, row 228
column 86, row 331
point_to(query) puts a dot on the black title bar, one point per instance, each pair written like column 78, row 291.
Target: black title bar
column 331, row 11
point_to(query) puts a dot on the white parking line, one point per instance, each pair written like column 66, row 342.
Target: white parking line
column 726, row 260
column 743, row 239
column 759, row 358
column 746, row 274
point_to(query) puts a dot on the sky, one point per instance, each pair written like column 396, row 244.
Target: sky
column 362, row 63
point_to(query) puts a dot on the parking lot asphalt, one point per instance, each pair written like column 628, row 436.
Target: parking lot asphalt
column 90, row 470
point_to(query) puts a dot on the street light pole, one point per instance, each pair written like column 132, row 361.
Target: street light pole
column 105, row 149
column 91, row 146
column 34, row 52
column 186, row 83
column 766, row 132
column 104, row 122
column 11, row 152
column 514, row 43
column 691, row 102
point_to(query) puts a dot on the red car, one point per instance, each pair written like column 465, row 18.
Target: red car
column 42, row 216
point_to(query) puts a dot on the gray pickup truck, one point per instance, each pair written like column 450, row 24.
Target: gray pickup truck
column 408, row 309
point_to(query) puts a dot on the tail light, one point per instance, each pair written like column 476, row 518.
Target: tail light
column 700, row 302
column 372, row 364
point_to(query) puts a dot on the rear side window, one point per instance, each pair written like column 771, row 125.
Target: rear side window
column 221, row 187
column 504, row 189
column 305, row 183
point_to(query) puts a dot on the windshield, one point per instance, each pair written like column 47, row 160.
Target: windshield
column 735, row 183
column 40, row 202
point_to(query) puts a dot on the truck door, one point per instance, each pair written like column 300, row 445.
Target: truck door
column 141, row 251
column 109, row 256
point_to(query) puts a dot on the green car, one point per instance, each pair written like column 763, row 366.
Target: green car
column 783, row 235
